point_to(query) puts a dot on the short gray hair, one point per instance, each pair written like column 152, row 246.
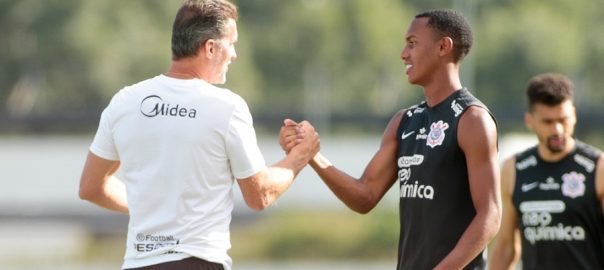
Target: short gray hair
column 198, row 21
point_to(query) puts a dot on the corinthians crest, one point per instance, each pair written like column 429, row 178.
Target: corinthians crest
column 437, row 133
column 573, row 184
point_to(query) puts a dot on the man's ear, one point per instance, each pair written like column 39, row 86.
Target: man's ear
column 446, row 46
column 528, row 120
column 209, row 46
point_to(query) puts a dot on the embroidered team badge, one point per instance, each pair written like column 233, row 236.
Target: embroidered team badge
column 437, row 133
column 573, row 184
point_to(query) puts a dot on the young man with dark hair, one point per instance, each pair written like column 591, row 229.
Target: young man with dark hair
column 442, row 152
column 553, row 193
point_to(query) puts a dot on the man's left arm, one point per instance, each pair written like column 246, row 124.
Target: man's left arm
column 477, row 138
column 600, row 181
column 99, row 185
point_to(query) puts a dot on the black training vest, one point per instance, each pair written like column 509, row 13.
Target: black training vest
column 560, row 216
column 435, row 202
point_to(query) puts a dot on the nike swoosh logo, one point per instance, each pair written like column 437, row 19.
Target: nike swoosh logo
column 405, row 135
column 527, row 187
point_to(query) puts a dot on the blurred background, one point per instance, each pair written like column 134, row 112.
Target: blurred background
column 333, row 62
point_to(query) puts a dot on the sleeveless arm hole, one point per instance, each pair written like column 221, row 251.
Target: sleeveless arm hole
column 399, row 130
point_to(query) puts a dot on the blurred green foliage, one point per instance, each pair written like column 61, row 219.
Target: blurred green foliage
column 317, row 59
column 317, row 235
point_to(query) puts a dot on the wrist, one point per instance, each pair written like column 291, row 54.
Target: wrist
column 318, row 161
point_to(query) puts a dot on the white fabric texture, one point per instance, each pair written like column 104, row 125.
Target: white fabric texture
column 181, row 144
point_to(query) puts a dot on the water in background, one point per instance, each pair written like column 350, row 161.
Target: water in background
column 43, row 222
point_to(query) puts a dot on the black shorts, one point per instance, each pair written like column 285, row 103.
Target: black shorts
column 191, row 263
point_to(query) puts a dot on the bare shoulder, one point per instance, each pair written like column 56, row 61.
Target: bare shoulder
column 390, row 132
column 477, row 128
column 397, row 117
column 600, row 178
column 508, row 175
column 600, row 165
column 476, row 117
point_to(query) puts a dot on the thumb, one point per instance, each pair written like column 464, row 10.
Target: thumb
column 289, row 122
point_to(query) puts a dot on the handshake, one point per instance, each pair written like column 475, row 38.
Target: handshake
column 299, row 139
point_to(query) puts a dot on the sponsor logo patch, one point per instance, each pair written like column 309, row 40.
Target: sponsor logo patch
column 422, row 134
column 408, row 161
column 527, row 187
column 437, row 133
column 539, row 224
column 573, row 184
column 405, row 135
column 550, row 184
column 148, row 243
column 585, row 162
column 456, row 108
column 525, row 163
column 154, row 105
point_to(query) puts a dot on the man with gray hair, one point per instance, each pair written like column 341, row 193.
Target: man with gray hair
column 180, row 142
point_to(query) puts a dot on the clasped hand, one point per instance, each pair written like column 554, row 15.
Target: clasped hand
column 300, row 138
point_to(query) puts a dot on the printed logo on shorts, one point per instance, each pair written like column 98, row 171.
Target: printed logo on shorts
column 437, row 133
column 573, row 184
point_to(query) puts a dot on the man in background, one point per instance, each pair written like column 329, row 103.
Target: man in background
column 553, row 193
column 180, row 142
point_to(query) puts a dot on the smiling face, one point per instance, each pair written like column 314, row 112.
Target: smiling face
column 223, row 53
column 421, row 52
column 554, row 126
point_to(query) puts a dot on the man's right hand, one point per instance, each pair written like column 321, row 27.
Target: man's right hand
column 300, row 137
column 290, row 135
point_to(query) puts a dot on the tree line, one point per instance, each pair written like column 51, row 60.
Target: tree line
column 336, row 62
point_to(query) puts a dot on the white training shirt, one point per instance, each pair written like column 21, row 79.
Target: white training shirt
column 181, row 144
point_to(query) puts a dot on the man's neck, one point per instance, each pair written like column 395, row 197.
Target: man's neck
column 442, row 86
column 184, row 69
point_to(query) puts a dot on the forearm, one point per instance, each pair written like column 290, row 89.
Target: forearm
column 112, row 196
column 349, row 190
column 479, row 233
column 282, row 174
column 278, row 180
column 265, row 187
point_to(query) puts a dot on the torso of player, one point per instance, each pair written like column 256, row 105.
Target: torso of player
column 433, row 181
column 560, row 217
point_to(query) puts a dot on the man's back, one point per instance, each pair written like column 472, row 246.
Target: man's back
column 178, row 141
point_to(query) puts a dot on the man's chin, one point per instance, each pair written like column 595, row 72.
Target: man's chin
column 555, row 148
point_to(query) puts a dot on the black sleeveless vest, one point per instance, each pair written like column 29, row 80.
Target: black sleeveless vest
column 560, row 217
column 435, row 201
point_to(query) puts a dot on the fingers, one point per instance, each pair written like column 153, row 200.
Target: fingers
column 289, row 122
column 290, row 135
column 310, row 143
column 300, row 136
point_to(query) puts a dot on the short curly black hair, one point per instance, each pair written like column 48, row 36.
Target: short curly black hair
column 451, row 23
column 549, row 89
